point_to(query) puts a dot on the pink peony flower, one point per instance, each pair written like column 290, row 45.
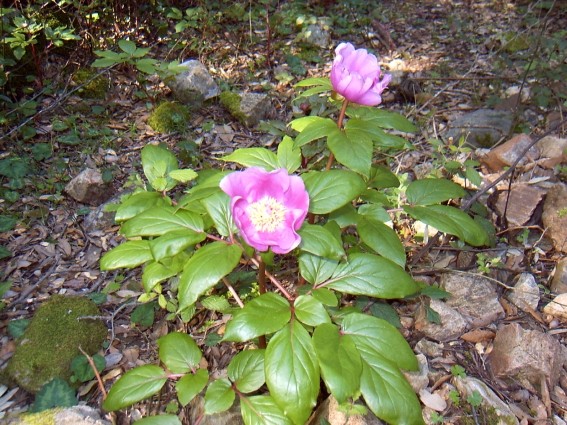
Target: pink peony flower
column 355, row 75
column 267, row 207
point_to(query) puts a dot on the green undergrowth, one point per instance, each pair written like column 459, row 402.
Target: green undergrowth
column 169, row 117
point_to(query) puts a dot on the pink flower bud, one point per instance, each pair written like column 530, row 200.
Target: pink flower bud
column 267, row 207
column 355, row 75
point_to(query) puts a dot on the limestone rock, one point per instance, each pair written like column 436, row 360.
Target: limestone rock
column 194, row 85
column 419, row 379
column 317, row 35
column 519, row 204
column 76, row 415
column 552, row 147
column 429, row 348
column 328, row 412
column 482, row 128
column 553, row 219
column 468, row 385
column 88, row 187
column 507, row 153
column 559, row 281
column 557, row 307
column 525, row 357
column 453, row 324
column 255, row 107
column 525, row 294
column 474, row 297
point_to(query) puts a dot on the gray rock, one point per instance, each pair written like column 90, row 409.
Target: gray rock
column 429, row 348
column 316, row 35
column 525, row 357
column 419, row 379
column 255, row 107
column 101, row 219
column 559, row 281
column 468, row 385
column 195, row 85
column 76, row 415
column 453, row 324
column 525, row 294
column 481, row 128
column 474, row 297
column 552, row 147
column 329, row 411
column 88, row 188
column 553, row 220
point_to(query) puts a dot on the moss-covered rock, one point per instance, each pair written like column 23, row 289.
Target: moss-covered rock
column 93, row 89
column 231, row 101
column 52, row 340
column 169, row 117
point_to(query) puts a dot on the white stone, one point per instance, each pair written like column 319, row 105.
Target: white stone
column 525, row 294
column 195, row 85
column 557, row 307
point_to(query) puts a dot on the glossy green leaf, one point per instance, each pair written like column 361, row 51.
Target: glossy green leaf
column 246, row 370
column 352, row 148
column 159, row 220
column 310, row 311
column 216, row 303
column 339, row 361
column 262, row 410
column 319, row 241
column 373, row 211
column 159, row 420
column 289, row 157
column 218, row 207
column 316, row 81
column 135, row 385
column 172, row 243
column 128, row 255
column 250, row 322
column 387, row 392
column 372, row 275
column 292, row 372
column 432, row 191
column 315, row 269
column 137, row 203
column 372, row 334
column 325, row 296
column 330, row 190
column 316, row 129
column 344, row 216
column 179, row 352
column 204, row 269
column 190, row 385
column 146, row 65
column 382, row 178
column 184, row 176
column 382, row 239
column 374, row 134
column 158, row 162
column 451, row 220
column 127, row 46
column 382, row 118
column 254, row 157
column 219, row 396
column 156, row 272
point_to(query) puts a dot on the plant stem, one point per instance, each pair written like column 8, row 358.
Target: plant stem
column 262, row 288
column 276, row 282
column 340, row 125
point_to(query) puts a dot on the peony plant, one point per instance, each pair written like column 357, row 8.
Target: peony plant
column 321, row 243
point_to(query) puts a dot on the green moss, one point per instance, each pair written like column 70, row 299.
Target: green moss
column 95, row 89
column 47, row 417
column 231, row 101
column 169, row 117
column 53, row 339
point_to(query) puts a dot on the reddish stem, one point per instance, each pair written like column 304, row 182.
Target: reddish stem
column 262, row 288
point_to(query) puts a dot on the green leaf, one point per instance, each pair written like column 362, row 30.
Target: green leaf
column 315, row 269
column 374, row 335
column 372, row 275
column 262, row 410
column 137, row 203
column 316, row 81
column 178, row 352
column 382, row 178
column 56, row 393
column 184, row 176
column 339, row 361
column 330, row 190
column 289, row 157
column 382, row 118
column 144, row 314
column 106, row 62
column 319, row 241
column 159, row 420
column 146, row 65
column 5, row 252
column 158, row 162
column 250, row 322
column 82, row 369
column 325, row 296
column 246, row 370
column 155, row 272
column 159, row 220
column 310, row 311
column 292, row 372
column 127, row 46
column 128, row 255
column 382, row 239
column 451, row 220
column 136, row 385
column 204, row 269
column 387, row 392
column 254, row 157
column 352, row 148
column 172, row 243
column 216, row 303
column 17, row 327
column 316, row 128
column 7, row 223
column 218, row 207
column 432, row 191
column 219, row 396
column 190, row 385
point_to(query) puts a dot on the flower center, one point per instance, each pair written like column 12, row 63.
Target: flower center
column 266, row 214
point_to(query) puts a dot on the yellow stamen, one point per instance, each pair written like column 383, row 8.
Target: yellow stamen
column 266, row 214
